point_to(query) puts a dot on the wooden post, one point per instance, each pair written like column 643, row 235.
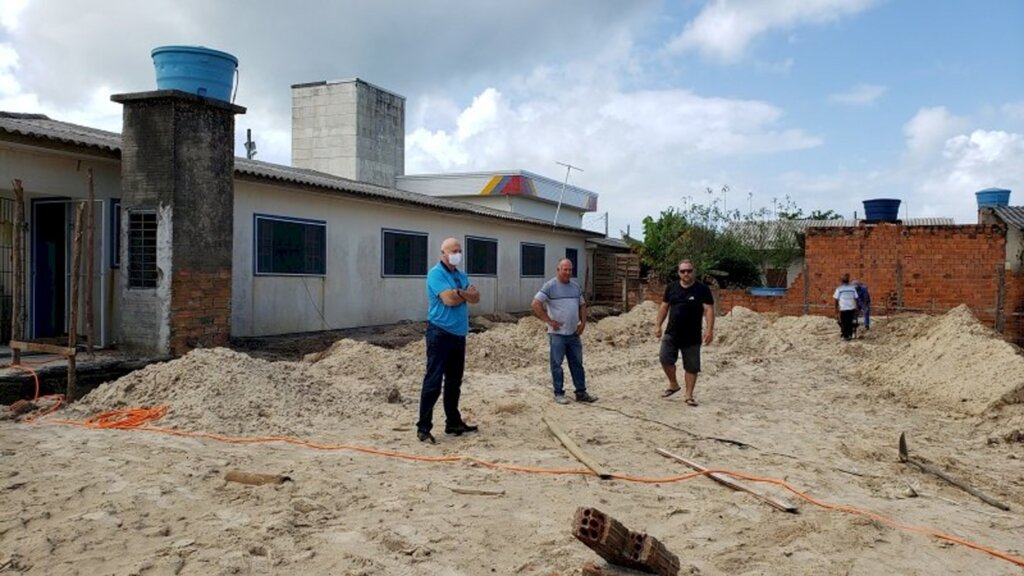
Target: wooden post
column 807, row 289
column 90, row 262
column 776, row 503
column 18, row 268
column 255, row 479
column 76, row 268
column 1001, row 299
column 899, row 286
column 575, row 450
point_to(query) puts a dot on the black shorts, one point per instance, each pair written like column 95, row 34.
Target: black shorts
column 669, row 352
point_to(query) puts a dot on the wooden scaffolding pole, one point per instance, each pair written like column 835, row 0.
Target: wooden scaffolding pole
column 90, row 263
column 18, row 268
column 76, row 268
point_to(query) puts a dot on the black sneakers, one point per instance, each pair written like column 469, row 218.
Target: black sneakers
column 460, row 429
column 586, row 398
column 425, row 437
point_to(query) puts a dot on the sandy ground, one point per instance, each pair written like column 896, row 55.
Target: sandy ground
column 823, row 414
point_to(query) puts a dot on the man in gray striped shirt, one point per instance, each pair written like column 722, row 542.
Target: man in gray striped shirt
column 561, row 306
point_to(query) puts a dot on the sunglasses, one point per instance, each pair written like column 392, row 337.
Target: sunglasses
column 685, row 270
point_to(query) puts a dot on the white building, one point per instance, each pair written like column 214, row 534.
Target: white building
column 328, row 243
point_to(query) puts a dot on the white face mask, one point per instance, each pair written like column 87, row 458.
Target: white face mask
column 455, row 259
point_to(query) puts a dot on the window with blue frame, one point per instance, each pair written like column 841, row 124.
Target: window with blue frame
column 290, row 246
column 403, row 253
column 531, row 260
column 481, row 256
column 572, row 255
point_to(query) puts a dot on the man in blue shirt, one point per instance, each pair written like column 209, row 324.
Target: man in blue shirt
column 448, row 295
column 864, row 302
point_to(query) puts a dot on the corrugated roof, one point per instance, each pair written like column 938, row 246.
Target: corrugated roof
column 1012, row 215
column 328, row 182
column 609, row 243
column 763, row 231
column 41, row 127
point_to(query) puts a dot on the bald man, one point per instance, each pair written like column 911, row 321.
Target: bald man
column 448, row 295
column 561, row 306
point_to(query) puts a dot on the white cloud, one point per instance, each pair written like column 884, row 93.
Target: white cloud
column 725, row 28
column 641, row 150
column 859, row 95
column 926, row 133
column 10, row 13
column 1014, row 111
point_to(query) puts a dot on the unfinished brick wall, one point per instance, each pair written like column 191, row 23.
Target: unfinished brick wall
column 929, row 269
column 200, row 310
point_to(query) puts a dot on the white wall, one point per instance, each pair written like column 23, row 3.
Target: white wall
column 354, row 291
column 50, row 175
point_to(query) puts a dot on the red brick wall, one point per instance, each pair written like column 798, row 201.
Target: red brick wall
column 929, row 269
column 200, row 310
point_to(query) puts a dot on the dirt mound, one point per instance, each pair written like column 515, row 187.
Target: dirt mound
column 950, row 361
column 634, row 327
column 221, row 391
column 368, row 362
column 746, row 333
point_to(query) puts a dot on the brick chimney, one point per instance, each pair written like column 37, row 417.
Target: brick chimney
column 177, row 202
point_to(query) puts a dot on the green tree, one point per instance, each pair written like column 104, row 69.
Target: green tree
column 825, row 215
column 697, row 233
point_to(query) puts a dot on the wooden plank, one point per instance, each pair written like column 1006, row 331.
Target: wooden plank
column 76, row 269
column 90, row 262
column 255, row 479
column 18, row 269
column 778, row 504
column 42, row 347
column 575, row 450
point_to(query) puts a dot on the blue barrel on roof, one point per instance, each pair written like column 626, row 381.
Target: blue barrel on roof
column 990, row 197
column 882, row 210
column 196, row 70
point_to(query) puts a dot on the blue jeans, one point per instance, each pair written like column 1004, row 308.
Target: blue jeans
column 570, row 347
column 867, row 317
column 446, row 359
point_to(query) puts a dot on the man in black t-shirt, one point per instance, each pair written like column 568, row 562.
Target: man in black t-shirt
column 687, row 304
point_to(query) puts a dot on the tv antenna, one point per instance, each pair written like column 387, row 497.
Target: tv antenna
column 250, row 146
column 568, row 168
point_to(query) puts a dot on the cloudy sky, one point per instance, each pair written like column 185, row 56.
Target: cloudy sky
column 829, row 102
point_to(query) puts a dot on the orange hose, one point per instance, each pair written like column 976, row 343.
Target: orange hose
column 58, row 399
column 136, row 419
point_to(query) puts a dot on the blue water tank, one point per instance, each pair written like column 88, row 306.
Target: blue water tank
column 882, row 210
column 993, row 197
column 196, row 70
column 764, row 291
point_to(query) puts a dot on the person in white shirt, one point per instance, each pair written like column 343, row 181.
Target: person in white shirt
column 846, row 306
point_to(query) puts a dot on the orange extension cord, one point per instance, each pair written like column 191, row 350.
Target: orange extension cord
column 137, row 419
column 58, row 399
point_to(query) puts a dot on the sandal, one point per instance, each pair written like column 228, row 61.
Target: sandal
column 691, row 402
column 669, row 391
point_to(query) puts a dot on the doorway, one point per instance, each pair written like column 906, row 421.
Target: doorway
column 50, row 267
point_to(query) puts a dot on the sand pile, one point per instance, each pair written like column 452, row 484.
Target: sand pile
column 505, row 347
column 221, row 391
column 368, row 362
column 746, row 333
column 634, row 327
column 950, row 361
